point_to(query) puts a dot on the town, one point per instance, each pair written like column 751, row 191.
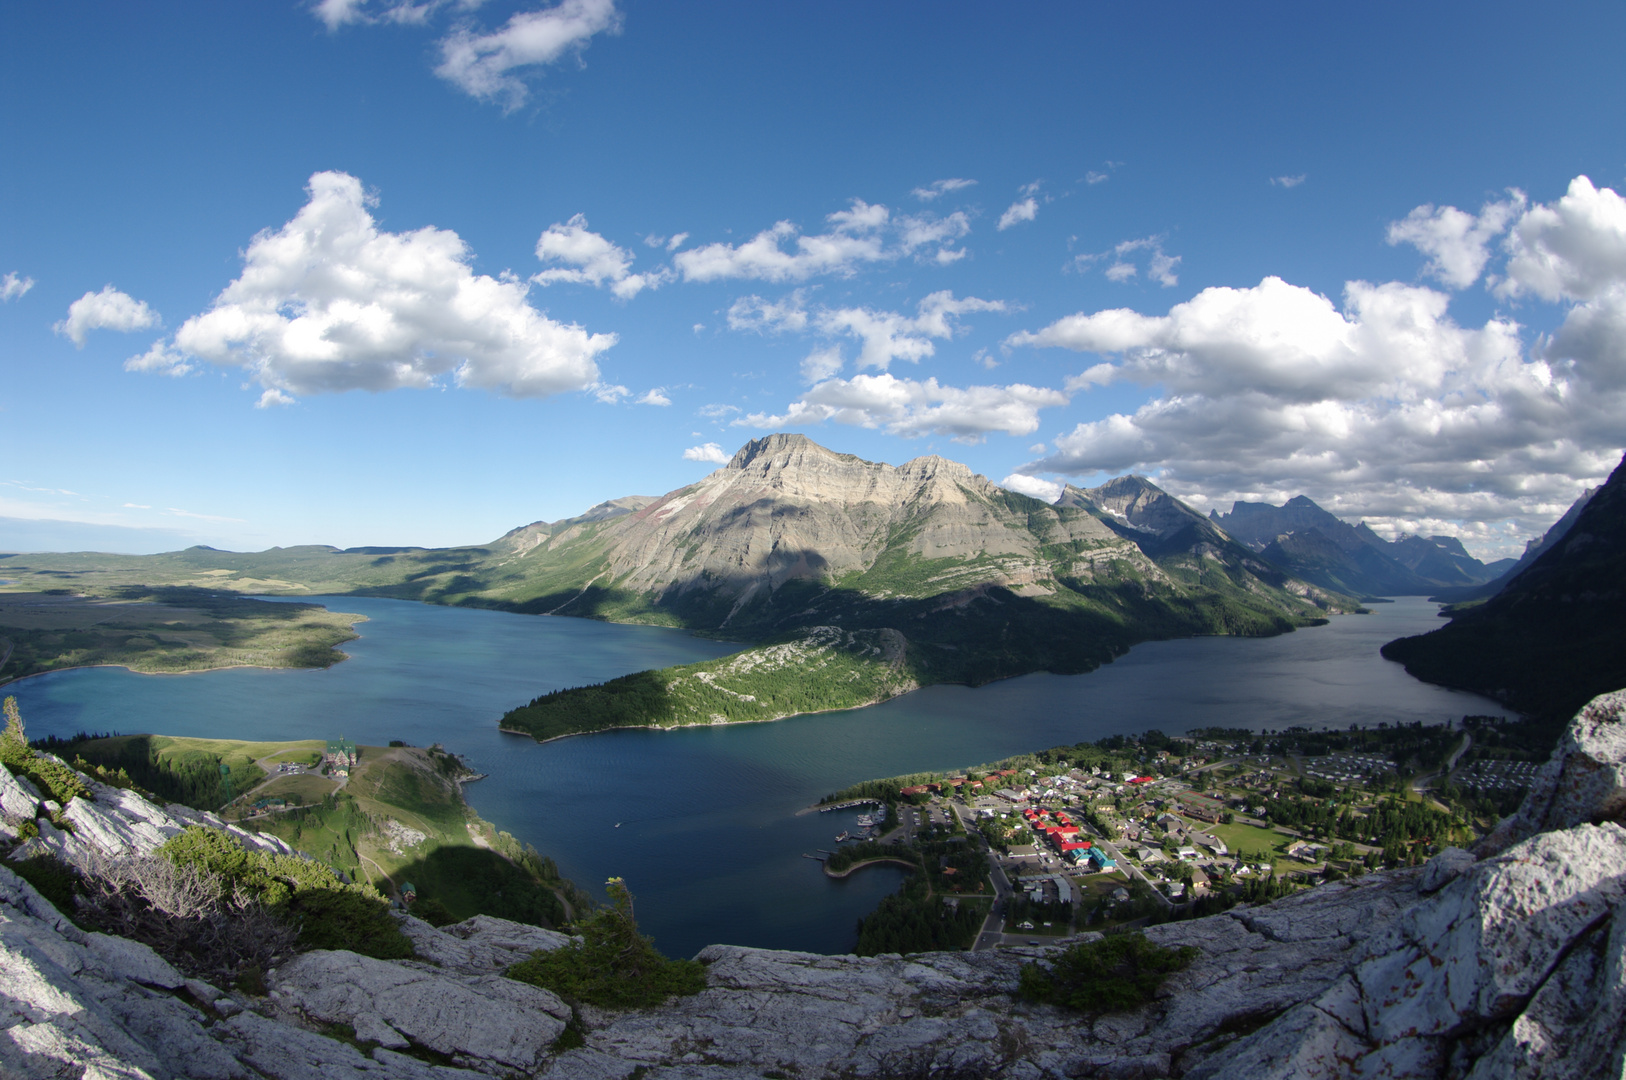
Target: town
column 1130, row 831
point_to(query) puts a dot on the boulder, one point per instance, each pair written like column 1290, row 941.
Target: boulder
column 1583, row 781
column 479, row 1018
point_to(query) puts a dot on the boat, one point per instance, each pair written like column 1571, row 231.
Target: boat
column 865, row 820
column 843, row 836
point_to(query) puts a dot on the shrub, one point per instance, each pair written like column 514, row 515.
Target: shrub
column 613, row 966
column 433, row 912
column 186, row 914
column 51, row 878
column 329, row 913
column 53, row 778
column 1116, row 973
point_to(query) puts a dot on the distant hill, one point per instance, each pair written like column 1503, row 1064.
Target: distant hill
column 1313, row 544
column 1554, row 636
column 979, row 582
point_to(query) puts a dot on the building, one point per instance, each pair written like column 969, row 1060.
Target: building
column 341, row 753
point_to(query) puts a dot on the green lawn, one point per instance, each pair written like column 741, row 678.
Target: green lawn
column 1248, row 837
column 299, row 790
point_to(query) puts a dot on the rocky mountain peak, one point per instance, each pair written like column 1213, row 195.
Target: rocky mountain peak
column 783, row 450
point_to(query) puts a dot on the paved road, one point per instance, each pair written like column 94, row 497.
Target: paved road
column 1421, row 784
column 991, row 934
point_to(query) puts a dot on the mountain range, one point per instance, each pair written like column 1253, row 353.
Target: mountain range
column 893, row 576
column 1313, row 544
column 982, row 581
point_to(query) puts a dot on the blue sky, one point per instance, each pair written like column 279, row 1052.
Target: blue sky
column 396, row 273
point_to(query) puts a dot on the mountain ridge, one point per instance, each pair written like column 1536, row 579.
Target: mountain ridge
column 1551, row 636
column 1313, row 543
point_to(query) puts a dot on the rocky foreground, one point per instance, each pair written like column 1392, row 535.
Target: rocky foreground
column 1505, row 962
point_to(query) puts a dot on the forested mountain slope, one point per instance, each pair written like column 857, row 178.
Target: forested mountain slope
column 1555, row 636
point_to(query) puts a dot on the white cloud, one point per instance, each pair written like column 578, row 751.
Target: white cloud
column 1043, row 490
column 769, row 317
column 938, row 188
column 337, row 13
column 609, row 393
column 109, row 309
column 1384, row 407
column 912, row 407
column 676, row 241
column 888, row 335
column 1457, row 244
column 926, row 230
column 1160, row 266
column 273, row 397
column 820, row 364
column 12, row 286
column 1575, row 250
column 1022, row 210
column 717, row 412
column 863, row 234
column 1092, row 177
column 654, row 396
column 707, row 452
column 1288, row 181
column 162, row 359
column 589, row 259
column 482, row 64
column 329, row 303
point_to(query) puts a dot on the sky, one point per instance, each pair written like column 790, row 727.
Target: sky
column 380, row 272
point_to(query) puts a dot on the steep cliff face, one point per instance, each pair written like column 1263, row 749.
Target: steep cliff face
column 1504, row 964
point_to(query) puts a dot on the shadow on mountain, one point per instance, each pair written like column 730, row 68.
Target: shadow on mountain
column 471, row 881
column 1552, row 639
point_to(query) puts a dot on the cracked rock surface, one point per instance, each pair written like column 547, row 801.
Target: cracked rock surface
column 1509, row 965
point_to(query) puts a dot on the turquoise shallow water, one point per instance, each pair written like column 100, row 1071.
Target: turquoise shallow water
column 708, row 835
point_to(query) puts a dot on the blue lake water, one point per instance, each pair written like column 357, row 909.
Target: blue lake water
column 708, row 835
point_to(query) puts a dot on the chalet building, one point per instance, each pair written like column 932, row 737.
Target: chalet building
column 341, row 753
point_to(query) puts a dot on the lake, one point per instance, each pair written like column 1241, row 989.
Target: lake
column 702, row 821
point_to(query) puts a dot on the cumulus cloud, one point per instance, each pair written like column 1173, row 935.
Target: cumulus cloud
column 1574, row 250
column 12, row 286
column 483, row 65
column 329, row 302
column 707, row 452
column 654, row 396
column 938, row 188
column 1384, row 406
column 1043, row 490
column 1457, row 244
column 887, row 335
column 1288, row 181
column 109, row 309
column 863, row 234
column 589, row 259
column 911, row 407
column 1022, row 210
